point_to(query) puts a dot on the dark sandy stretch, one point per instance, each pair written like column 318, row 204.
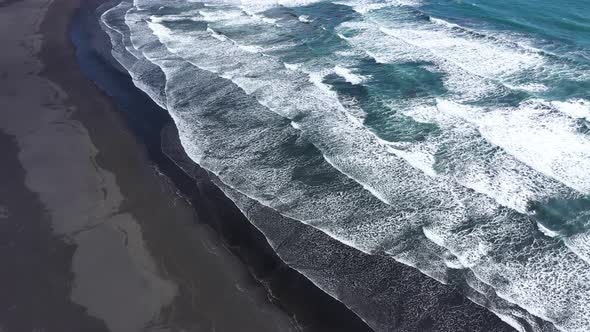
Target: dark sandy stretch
column 93, row 236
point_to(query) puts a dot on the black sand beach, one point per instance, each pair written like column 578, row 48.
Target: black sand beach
column 413, row 301
column 102, row 230
column 95, row 235
column 310, row 307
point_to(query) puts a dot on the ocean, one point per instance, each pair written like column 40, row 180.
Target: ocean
column 449, row 136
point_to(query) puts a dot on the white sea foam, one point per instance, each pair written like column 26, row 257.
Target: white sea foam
column 213, row 33
column 254, row 6
column 266, row 38
column 265, row 19
column 215, row 14
column 547, row 231
column 292, row 66
column 580, row 244
column 459, row 57
column 477, row 63
column 349, row 75
column 578, row 109
column 304, row 19
column 475, row 163
column 535, row 134
column 365, row 6
column 443, row 22
column 472, row 67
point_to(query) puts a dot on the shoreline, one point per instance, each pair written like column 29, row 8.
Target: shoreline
column 122, row 228
column 387, row 294
column 284, row 285
column 94, row 236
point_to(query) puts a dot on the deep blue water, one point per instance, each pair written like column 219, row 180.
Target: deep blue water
column 450, row 136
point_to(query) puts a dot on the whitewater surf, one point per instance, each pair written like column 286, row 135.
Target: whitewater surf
column 443, row 135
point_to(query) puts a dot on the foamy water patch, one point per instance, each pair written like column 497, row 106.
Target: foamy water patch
column 349, row 75
column 459, row 153
column 463, row 57
column 256, row 6
column 578, row 109
column 365, row 6
column 304, row 19
column 536, row 134
column 474, row 66
column 216, row 14
column 493, row 173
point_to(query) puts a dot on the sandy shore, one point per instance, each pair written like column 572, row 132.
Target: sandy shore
column 387, row 294
column 101, row 231
column 94, row 237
